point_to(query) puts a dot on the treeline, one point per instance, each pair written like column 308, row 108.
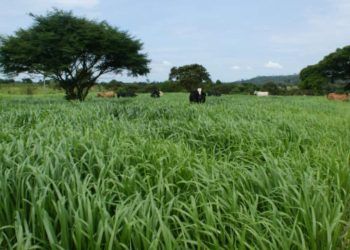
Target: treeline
column 23, row 80
column 172, row 86
column 213, row 88
column 279, row 79
column 6, row 81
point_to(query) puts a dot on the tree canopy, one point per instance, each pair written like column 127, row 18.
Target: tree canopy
column 72, row 50
column 333, row 67
column 190, row 76
column 271, row 87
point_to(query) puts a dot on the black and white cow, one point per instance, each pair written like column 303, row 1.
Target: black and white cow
column 197, row 96
column 127, row 93
column 155, row 93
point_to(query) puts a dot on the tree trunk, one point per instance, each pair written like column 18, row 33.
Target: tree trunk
column 83, row 90
column 76, row 91
column 80, row 91
column 70, row 93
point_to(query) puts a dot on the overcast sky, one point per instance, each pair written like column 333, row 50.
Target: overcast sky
column 233, row 39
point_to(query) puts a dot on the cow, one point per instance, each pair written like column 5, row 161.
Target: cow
column 338, row 97
column 197, row 96
column 107, row 94
column 127, row 93
column 155, row 93
column 260, row 93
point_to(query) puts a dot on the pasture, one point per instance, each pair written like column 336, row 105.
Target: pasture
column 238, row 172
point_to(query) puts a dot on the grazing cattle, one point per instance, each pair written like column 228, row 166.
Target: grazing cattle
column 161, row 93
column 338, row 97
column 197, row 96
column 260, row 93
column 108, row 94
column 126, row 94
column 155, row 93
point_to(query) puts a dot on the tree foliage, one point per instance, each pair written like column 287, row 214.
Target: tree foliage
column 332, row 68
column 190, row 76
column 312, row 78
column 73, row 51
column 271, row 87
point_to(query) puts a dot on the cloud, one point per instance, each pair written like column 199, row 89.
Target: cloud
column 341, row 5
column 273, row 65
column 161, row 66
column 325, row 28
column 167, row 63
column 243, row 68
column 236, row 67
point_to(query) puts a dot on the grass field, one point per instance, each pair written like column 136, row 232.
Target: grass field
column 238, row 172
column 27, row 89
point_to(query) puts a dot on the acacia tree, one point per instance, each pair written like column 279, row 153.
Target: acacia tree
column 74, row 51
column 333, row 67
column 190, row 76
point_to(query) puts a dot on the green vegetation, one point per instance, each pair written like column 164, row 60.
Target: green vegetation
column 281, row 79
column 190, row 77
column 331, row 72
column 28, row 89
column 73, row 51
column 166, row 86
column 239, row 172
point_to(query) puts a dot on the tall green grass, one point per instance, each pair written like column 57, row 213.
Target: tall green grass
column 27, row 89
column 238, row 172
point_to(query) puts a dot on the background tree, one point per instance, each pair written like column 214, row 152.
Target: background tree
column 271, row 87
column 190, row 76
column 7, row 80
column 248, row 88
column 333, row 68
column 313, row 78
column 73, row 51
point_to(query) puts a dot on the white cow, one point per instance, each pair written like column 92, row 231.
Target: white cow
column 260, row 93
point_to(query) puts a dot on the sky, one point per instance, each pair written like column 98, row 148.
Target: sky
column 233, row 39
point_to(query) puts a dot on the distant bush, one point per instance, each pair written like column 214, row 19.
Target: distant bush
column 7, row 80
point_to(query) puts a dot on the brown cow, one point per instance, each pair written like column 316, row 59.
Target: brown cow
column 338, row 97
column 107, row 94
